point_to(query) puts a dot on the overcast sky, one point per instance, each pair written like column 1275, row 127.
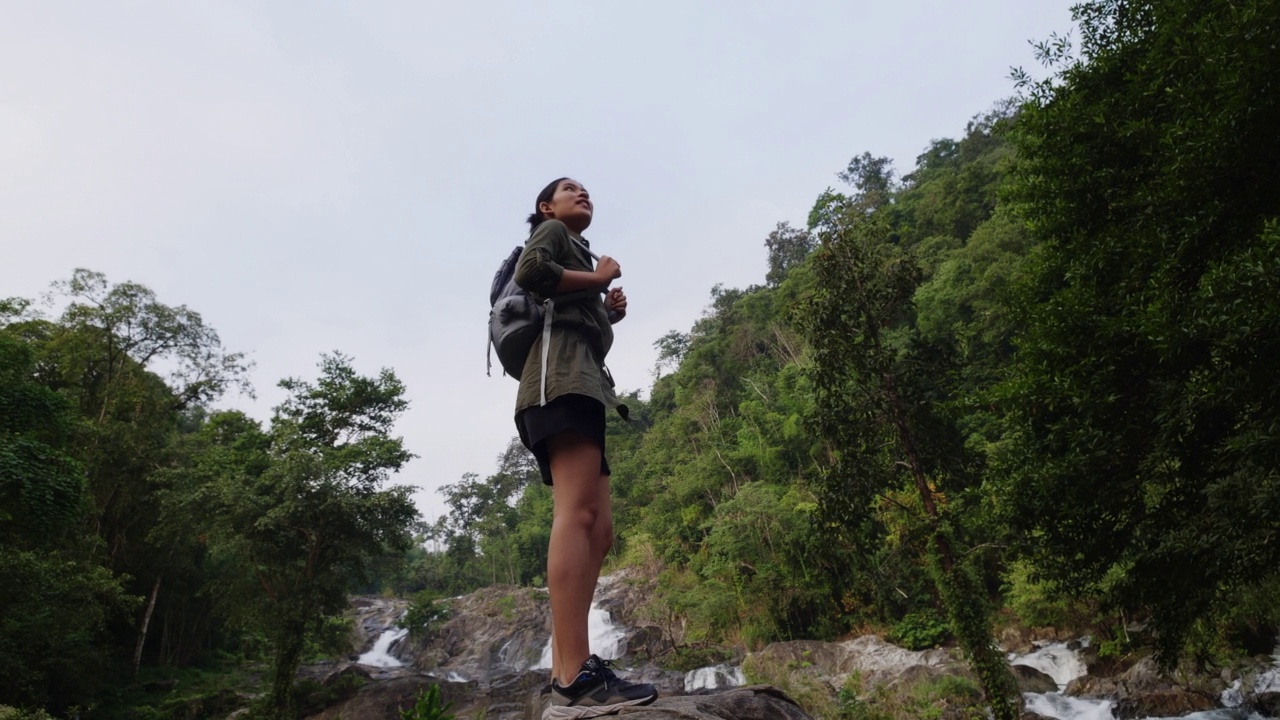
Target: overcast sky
column 318, row 176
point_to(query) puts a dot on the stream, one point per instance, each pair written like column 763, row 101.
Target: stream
column 1064, row 665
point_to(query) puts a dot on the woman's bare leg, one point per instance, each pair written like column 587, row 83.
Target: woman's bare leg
column 574, row 556
column 601, row 542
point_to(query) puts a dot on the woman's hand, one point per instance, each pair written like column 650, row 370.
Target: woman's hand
column 607, row 269
column 616, row 303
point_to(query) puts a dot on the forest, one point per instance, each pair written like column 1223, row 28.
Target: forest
column 1033, row 377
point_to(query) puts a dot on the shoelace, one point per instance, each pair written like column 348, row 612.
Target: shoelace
column 606, row 670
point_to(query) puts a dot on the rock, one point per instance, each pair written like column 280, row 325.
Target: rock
column 1022, row 640
column 1161, row 703
column 875, row 661
column 755, row 702
column 880, row 662
column 385, row 700
column 494, row 632
column 1094, row 687
column 374, row 616
column 1145, row 676
column 1267, row 704
column 1031, row 680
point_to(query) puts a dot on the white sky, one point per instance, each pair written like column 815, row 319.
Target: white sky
column 347, row 176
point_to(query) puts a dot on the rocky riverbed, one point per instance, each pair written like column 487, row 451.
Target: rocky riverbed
column 490, row 659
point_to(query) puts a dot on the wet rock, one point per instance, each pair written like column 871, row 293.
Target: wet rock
column 374, row 616
column 492, row 633
column 1161, row 703
column 878, row 661
column 756, row 702
column 1031, row 680
column 1266, row 704
column 1145, row 676
column 384, row 701
column 1022, row 640
column 1092, row 686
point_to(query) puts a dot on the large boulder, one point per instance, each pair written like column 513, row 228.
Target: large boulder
column 490, row 635
column 1161, row 703
column 831, row 679
column 1031, row 680
column 1267, row 704
column 756, row 702
column 385, row 700
column 373, row 616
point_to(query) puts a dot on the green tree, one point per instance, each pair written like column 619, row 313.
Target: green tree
column 878, row 403
column 1142, row 449
column 55, row 645
column 788, row 248
column 301, row 508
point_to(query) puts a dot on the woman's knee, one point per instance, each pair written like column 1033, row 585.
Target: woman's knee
column 584, row 517
column 602, row 538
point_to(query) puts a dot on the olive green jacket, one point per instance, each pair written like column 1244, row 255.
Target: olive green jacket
column 581, row 334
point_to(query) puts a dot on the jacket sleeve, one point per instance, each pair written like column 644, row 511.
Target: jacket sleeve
column 537, row 272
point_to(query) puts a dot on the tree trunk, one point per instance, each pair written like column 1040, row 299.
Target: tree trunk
column 965, row 606
column 290, row 638
column 146, row 620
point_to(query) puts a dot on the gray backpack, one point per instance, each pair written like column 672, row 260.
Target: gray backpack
column 516, row 319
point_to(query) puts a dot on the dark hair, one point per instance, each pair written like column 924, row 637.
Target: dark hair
column 547, row 193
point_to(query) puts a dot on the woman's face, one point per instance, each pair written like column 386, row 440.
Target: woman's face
column 570, row 204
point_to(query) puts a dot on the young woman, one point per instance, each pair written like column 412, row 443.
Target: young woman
column 560, row 415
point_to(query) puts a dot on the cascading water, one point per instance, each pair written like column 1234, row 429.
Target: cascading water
column 1063, row 664
column 379, row 655
column 603, row 637
column 714, row 678
column 1056, row 660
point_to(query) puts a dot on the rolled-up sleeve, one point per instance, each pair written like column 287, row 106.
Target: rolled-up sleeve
column 537, row 272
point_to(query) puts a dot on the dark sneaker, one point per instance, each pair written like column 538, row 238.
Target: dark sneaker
column 544, row 699
column 596, row 691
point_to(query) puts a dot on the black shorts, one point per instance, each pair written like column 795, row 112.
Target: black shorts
column 579, row 413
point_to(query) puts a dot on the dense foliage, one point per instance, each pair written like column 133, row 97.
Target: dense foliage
column 137, row 530
column 1032, row 374
column 1143, row 454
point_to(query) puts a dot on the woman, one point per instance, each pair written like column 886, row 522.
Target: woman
column 560, row 415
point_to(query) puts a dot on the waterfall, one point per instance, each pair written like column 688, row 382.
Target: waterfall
column 1065, row 707
column 1064, row 665
column 714, row 678
column 603, row 637
column 379, row 655
column 1055, row 660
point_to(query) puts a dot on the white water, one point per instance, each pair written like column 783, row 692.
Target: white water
column 714, row 677
column 603, row 637
column 379, row 656
column 1269, row 681
column 1055, row 660
column 1065, row 707
column 1065, row 665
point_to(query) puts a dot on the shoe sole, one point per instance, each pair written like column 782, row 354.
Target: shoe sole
column 578, row 712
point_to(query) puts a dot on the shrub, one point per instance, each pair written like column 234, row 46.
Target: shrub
column 920, row 630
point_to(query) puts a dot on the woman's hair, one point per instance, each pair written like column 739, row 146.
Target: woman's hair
column 547, row 193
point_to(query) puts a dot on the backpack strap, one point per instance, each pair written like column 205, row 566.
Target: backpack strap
column 548, row 314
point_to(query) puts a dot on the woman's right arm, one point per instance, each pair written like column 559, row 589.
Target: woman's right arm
column 537, row 271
